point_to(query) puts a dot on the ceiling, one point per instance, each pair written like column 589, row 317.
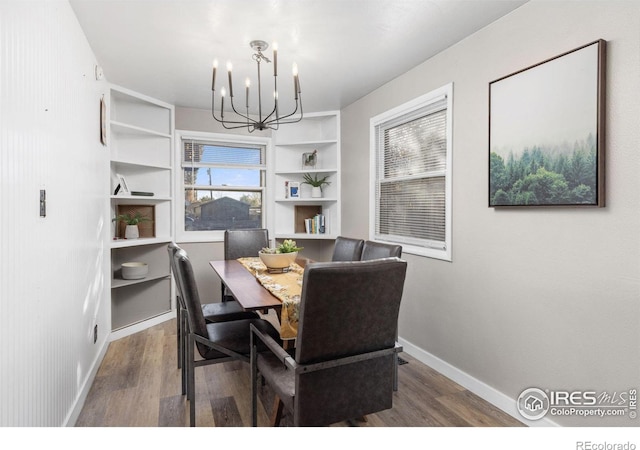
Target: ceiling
column 344, row 49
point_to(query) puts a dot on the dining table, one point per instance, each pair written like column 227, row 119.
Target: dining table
column 257, row 289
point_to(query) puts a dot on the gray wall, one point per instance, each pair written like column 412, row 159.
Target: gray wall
column 534, row 297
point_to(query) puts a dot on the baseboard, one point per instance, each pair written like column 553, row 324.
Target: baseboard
column 482, row 390
column 141, row 326
column 71, row 419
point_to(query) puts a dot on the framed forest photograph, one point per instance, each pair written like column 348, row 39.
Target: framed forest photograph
column 546, row 132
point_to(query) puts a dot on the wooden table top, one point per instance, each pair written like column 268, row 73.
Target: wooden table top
column 244, row 286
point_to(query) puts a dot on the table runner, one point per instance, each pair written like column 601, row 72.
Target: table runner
column 286, row 287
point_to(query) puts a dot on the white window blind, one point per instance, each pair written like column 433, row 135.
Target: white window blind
column 223, row 184
column 411, row 171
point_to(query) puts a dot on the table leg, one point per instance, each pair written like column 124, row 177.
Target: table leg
column 276, row 413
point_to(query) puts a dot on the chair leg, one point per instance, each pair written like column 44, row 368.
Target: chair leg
column 254, row 384
column 191, row 383
column 184, row 352
column 395, row 371
column 179, row 334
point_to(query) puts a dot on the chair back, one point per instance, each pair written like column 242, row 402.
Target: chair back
column 244, row 242
column 189, row 292
column 347, row 309
column 347, row 249
column 343, row 303
column 376, row 250
column 173, row 248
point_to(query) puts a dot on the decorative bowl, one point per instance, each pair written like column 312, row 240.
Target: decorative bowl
column 134, row 270
column 277, row 261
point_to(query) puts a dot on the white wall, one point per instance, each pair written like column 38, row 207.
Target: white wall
column 52, row 290
column 546, row 298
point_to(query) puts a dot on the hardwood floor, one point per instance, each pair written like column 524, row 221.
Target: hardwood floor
column 138, row 385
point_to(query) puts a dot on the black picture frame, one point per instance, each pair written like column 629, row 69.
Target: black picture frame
column 547, row 132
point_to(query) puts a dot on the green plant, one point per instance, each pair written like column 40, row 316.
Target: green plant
column 314, row 180
column 130, row 219
column 287, row 246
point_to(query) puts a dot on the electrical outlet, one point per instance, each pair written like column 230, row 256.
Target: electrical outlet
column 95, row 333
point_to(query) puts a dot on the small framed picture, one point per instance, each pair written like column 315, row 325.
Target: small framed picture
column 294, row 189
column 123, row 187
column 103, row 121
column 309, row 160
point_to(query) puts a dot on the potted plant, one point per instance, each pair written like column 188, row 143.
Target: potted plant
column 131, row 230
column 280, row 257
column 315, row 183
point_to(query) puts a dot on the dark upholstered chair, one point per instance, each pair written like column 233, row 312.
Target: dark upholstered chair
column 215, row 342
column 346, row 345
column 347, row 249
column 375, row 250
column 243, row 243
column 212, row 312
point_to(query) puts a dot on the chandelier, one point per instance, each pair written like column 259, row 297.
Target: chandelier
column 273, row 119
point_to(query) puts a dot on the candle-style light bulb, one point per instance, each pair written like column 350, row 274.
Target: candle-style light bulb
column 296, row 86
column 213, row 77
column 229, row 69
column 248, row 83
column 223, row 92
column 275, row 59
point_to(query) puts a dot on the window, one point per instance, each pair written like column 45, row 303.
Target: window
column 223, row 182
column 411, row 172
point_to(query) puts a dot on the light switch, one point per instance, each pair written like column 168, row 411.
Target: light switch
column 43, row 203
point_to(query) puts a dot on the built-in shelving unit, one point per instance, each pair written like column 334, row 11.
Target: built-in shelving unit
column 317, row 131
column 141, row 133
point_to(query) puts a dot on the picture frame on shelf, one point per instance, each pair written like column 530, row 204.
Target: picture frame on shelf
column 103, row 121
column 309, row 160
column 294, row 189
column 546, row 132
column 123, row 187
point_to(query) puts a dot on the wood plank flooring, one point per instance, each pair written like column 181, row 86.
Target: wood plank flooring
column 138, row 385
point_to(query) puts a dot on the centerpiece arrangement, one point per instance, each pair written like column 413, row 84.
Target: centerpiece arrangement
column 279, row 259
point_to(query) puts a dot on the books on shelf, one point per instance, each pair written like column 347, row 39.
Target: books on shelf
column 315, row 224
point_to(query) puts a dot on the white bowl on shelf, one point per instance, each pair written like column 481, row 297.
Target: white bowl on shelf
column 134, row 270
column 277, row 261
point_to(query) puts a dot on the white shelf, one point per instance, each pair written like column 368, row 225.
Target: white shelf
column 307, row 143
column 310, row 236
column 123, row 128
column 137, row 165
column 125, row 243
column 317, row 131
column 119, row 282
column 306, row 200
column 303, row 171
column 141, row 150
column 132, row 199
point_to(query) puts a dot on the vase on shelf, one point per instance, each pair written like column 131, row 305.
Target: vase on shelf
column 131, row 232
column 316, row 192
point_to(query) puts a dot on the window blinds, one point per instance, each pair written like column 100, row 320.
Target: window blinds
column 411, row 175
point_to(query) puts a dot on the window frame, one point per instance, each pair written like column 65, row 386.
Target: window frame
column 398, row 115
column 182, row 235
